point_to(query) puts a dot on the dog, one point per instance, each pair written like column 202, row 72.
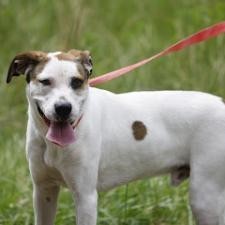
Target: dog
column 90, row 140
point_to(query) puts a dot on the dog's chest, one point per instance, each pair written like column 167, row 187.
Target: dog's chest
column 53, row 161
column 52, row 157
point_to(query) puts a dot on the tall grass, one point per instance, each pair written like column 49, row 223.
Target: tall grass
column 117, row 33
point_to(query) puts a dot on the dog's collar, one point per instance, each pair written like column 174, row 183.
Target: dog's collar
column 76, row 123
column 47, row 121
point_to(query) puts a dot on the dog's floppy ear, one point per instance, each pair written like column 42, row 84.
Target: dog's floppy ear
column 84, row 57
column 24, row 63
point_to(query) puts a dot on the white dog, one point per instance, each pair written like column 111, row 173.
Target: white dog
column 91, row 140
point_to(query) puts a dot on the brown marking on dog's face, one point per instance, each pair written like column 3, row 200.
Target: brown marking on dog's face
column 78, row 53
column 139, row 130
column 33, row 62
column 82, row 72
column 38, row 69
column 25, row 63
column 82, row 57
column 66, row 56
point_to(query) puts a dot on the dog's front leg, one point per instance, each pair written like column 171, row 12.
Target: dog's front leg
column 86, row 208
column 45, row 201
column 81, row 179
column 45, row 195
column 45, row 191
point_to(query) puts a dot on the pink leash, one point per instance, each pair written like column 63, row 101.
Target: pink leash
column 200, row 36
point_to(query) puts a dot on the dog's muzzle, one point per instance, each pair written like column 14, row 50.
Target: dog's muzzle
column 60, row 132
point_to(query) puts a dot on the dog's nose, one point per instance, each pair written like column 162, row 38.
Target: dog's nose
column 63, row 110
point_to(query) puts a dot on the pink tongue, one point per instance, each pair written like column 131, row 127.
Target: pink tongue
column 60, row 133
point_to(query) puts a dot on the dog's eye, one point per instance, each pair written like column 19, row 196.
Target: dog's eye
column 45, row 82
column 76, row 83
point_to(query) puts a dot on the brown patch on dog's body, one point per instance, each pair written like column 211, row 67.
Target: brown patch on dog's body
column 139, row 130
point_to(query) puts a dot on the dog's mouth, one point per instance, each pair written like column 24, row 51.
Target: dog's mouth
column 46, row 120
column 60, row 133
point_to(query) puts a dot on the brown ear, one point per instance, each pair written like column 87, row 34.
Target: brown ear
column 24, row 63
column 85, row 59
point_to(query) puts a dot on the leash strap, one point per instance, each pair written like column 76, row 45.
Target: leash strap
column 198, row 37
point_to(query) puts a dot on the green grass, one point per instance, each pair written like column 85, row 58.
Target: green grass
column 117, row 33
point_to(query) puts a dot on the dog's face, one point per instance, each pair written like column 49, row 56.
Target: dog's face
column 57, row 86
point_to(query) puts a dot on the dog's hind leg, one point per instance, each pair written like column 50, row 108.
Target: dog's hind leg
column 208, row 204
column 204, row 203
column 207, row 180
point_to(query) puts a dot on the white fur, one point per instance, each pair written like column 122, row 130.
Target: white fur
column 183, row 128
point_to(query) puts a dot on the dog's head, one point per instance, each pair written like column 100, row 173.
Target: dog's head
column 57, row 88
